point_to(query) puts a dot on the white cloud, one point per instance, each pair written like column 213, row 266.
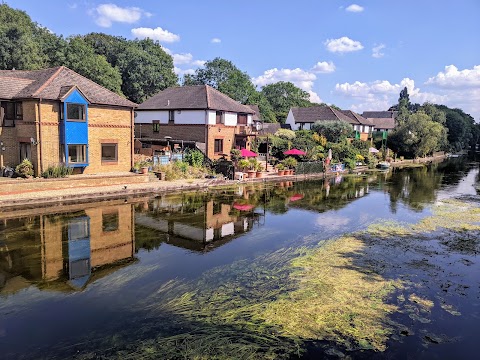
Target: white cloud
column 158, row 34
column 343, row 44
column 301, row 78
column 354, row 8
column 381, row 94
column 323, row 67
column 179, row 59
column 106, row 14
column 181, row 72
column 377, row 51
column 216, row 41
column 453, row 78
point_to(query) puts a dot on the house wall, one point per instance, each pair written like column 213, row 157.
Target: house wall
column 184, row 117
column 109, row 125
column 105, row 124
column 177, row 132
column 291, row 120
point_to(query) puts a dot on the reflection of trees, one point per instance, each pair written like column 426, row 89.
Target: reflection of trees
column 416, row 187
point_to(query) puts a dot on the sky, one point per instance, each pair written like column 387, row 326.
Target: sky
column 355, row 54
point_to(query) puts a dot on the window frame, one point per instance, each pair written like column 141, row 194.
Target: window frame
column 109, row 161
column 84, row 150
column 11, row 111
column 171, row 117
column 155, row 126
column 220, row 141
column 83, row 112
column 219, row 117
column 242, row 115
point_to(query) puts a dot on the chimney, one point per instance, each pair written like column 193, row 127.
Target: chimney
column 168, row 102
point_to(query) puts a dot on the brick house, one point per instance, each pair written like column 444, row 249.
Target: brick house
column 56, row 116
column 303, row 118
column 200, row 114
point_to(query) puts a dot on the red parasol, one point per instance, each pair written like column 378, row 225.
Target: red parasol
column 243, row 207
column 296, row 197
column 294, row 152
column 247, row 153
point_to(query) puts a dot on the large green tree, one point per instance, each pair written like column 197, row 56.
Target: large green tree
column 20, row 47
column 81, row 58
column 333, row 130
column 284, row 95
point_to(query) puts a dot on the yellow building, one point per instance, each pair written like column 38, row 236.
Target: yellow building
column 56, row 116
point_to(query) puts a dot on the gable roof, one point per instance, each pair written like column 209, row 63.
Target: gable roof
column 313, row 113
column 357, row 117
column 195, row 97
column 52, row 84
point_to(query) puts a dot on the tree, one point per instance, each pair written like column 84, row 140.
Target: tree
column 333, row 130
column 403, row 106
column 146, row 69
column 284, row 95
column 419, row 136
column 144, row 65
column 81, row 58
column 19, row 48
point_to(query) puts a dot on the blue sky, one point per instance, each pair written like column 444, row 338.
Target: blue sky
column 355, row 54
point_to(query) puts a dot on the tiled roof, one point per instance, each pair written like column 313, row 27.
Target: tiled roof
column 383, row 123
column 195, row 97
column 256, row 116
column 357, row 117
column 52, row 83
column 380, row 114
column 322, row 113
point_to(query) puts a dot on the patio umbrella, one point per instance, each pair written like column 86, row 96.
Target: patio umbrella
column 296, row 197
column 372, row 150
column 243, row 207
column 247, row 153
column 294, row 152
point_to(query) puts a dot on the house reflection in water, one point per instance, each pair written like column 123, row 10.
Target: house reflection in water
column 196, row 222
column 65, row 251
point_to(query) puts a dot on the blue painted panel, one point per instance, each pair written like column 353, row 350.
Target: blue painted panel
column 76, row 132
column 76, row 97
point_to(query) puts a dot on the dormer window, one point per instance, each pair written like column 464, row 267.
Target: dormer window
column 76, row 112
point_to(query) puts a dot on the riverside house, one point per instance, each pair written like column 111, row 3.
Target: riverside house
column 200, row 114
column 56, row 116
column 302, row 118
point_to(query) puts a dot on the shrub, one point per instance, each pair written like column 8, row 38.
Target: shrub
column 243, row 164
column 285, row 134
column 194, row 158
column 25, row 168
column 290, row 162
column 57, row 171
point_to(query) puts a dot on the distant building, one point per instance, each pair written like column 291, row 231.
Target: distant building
column 303, row 118
column 56, row 116
column 382, row 120
column 200, row 114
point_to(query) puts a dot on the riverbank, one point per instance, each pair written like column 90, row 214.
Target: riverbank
column 25, row 193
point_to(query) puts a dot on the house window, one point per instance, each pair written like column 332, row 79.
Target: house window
column 25, row 151
column 242, row 119
column 110, row 221
column 76, row 153
column 217, row 208
column 218, row 146
column 171, row 117
column 76, row 112
column 10, row 111
column 109, row 152
column 219, row 117
column 78, row 229
column 156, row 126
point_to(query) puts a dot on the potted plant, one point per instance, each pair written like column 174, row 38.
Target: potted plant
column 259, row 169
column 243, row 165
column 281, row 169
column 290, row 163
column 252, row 167
column 24, row 169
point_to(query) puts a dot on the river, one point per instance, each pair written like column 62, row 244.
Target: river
column 267, row 270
